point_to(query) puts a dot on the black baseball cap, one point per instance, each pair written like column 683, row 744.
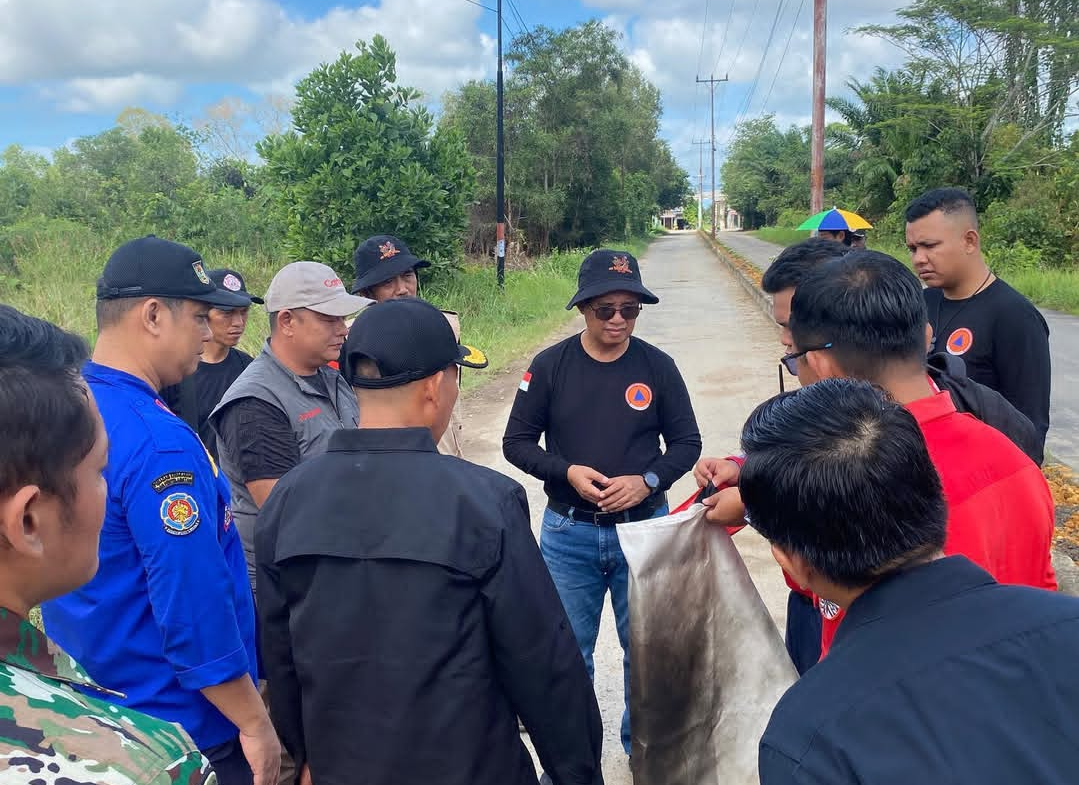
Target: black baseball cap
column 153, row 267
column 605, row 271
column 408, row 339
column 233, row 282
column 381, row 258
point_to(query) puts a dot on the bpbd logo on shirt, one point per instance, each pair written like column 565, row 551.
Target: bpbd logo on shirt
column 960, row 341
column 639, row 396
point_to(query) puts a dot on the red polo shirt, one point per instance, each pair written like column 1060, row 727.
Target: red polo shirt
column 1000, row 509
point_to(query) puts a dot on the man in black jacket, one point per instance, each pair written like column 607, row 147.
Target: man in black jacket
column 407, row 615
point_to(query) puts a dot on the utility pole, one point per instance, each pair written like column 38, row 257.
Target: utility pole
column 700, row 183
column 712, row 82
column 500, row 173
column 816, row 169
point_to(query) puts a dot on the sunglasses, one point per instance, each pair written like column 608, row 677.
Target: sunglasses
column 606, row 312
column 790, row 361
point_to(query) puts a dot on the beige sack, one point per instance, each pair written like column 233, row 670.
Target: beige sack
column 707, row 664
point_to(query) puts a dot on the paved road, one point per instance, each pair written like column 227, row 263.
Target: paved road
column 1063, row 441
column 725, row 349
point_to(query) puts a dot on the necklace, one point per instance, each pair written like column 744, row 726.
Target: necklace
column 938, row 332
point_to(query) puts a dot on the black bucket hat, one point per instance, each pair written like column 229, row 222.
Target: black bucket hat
column 606, row 271
column 381, row 258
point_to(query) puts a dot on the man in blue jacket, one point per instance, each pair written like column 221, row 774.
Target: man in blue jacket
column 169, row 619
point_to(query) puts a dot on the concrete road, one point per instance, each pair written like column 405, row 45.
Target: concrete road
column 726, row 350
column 1063, row 440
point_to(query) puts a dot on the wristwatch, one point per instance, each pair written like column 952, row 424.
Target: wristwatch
column 651, row 479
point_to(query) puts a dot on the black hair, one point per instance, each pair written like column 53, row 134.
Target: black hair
column 790, row 267
column 868, row 306
column 45, row 415
column 839, row 474
column 110, row 312
column 947, row 200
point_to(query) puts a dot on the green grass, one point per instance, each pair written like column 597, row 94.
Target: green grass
column 54, row 275
column 779, row 235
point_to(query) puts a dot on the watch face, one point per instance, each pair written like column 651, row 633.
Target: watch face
column 651, row 479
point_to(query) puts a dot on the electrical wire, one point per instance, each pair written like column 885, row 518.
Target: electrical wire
column 786, row 48
column 481, row 5
column 723, row 41
column 756, row 78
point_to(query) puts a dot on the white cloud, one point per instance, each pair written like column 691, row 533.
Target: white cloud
column 109, row 52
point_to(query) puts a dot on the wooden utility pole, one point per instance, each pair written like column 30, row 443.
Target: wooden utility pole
column 712, row 82
column 500, row 173
column 700, row 183
column 816, row 170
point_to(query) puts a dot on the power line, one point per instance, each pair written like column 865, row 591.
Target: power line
column 704, row 32
column 760, row 67
column 481, row 5
column 745, row 33
column 786, row 48
column 723, row 41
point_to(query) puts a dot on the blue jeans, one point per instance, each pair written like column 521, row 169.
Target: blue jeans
column 586, row 562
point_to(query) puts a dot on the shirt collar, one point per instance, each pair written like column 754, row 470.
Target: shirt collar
column 113, row 376
column 382, row 440
column 912, row 589
column 24, row 646
column 300, row 381
column 932, row 407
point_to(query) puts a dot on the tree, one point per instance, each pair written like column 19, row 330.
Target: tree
column 362, row 160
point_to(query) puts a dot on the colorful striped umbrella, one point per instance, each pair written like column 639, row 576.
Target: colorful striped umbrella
column 835, row 220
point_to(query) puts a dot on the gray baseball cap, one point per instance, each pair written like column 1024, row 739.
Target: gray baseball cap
column 313, row 286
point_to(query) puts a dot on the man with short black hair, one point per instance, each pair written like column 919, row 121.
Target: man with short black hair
column 863, row 316
column 601, row 400
column 221, row 363
column 451, row 626
column 939, row 673
column 168, row 621
column 57, row 721
column 284, row 406
column 998, row 332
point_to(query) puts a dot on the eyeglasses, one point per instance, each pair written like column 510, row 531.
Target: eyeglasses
column 790, row 361
column 606, row 312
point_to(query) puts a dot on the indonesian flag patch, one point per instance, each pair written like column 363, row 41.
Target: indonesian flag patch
column 525, row 380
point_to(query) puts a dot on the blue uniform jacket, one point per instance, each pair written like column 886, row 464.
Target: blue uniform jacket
column 170, row 610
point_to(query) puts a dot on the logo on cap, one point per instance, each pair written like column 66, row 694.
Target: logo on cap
column 232, row 283
column 639, row 396
column 387, row 251
column 620, row 264
column 331, row 283
column 960, row 341
column 201, row 273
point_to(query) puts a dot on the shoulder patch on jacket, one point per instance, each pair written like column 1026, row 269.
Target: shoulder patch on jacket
column 169, row 479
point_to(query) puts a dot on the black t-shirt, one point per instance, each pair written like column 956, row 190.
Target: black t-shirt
column 1003, row 340
column 609, row 416
column 260, row 436
column 195, row 397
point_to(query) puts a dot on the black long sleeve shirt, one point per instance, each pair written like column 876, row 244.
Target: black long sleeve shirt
column 403, row 637
column 609, row 416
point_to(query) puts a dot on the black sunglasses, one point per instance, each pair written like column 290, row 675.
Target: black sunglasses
column 790, row 361
column 606, row 312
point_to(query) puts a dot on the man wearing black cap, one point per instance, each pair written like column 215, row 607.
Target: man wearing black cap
column 168, row 621
column 452, row 627
column 386, row 270
column 602, row 400
column 221, row 363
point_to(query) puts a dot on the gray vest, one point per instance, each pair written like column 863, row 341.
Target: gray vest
column 313, row 415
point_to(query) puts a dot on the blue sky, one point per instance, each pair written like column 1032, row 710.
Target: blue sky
column 68, row 68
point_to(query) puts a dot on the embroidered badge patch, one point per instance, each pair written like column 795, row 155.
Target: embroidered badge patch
column 232, row 283
column 525, row 381
column 620, row 264
column 170, row 479
column 960, row 341
column 201, row 273
column 180, row 514
column 828, row 609
column 639, row 396
column 387, row 251
column 228, row 517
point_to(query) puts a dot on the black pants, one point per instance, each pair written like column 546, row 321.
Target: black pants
column 803, row 631
column 229, row 763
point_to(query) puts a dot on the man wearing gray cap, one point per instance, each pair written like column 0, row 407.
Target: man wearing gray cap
column 284, row 406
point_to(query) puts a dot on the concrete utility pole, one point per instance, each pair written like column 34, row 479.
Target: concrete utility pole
column 712, row 82
column 500, row 174
column 700, row 183
column 816, row 170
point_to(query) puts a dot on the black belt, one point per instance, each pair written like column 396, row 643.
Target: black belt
column 641, row 512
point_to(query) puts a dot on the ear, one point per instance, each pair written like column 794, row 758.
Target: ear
column 285, row 322
column 795, row 566
column 928, row 337
column 972, row 241
column 432, row 387
column 21, row 519
column 823, row 365
column 152, row 314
